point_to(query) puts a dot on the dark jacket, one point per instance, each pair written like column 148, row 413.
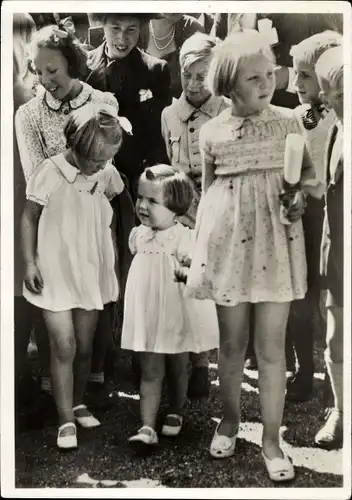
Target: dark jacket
column 129, row 79
column 331, row 263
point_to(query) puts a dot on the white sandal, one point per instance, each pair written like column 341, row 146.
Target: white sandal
column 69, row 441
column 150, row 438
column 279, row 469
column 172, row 430
column 222, row 446
column 89, row 421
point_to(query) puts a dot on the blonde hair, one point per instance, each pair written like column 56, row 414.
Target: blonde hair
column 177, row 188
column 92, row 126
column 197, row 48
column 23, row 28
column 230, row 54
column 329, row 67
column 310, row 49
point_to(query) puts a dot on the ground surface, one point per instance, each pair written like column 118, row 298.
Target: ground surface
column 104, row 459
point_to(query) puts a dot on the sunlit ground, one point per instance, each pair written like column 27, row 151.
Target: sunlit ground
column 308, row 457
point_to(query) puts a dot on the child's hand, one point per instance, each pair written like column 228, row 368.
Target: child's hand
column 181, row 274
column 33, row 279
column 296, row 210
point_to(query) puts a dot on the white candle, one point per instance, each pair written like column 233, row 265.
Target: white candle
column 293, row 158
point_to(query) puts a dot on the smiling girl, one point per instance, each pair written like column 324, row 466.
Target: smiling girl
column 60, row 63
column 243, row 254
column 69, row 255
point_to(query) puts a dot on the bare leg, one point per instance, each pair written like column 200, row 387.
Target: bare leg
column 177, row 379
column 42, row 341
column 63, row 348
column 85, row 323
column 334, row 353
column 153, row 371
column 269, row 341
column 233, row 324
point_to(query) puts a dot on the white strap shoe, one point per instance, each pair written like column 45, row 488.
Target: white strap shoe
column 68, row 441
column 222, row 446
column 88, row 421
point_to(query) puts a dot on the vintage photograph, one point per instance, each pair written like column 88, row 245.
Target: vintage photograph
column 177, row 238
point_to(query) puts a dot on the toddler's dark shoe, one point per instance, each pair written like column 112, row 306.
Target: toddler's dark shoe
column 199, row 383
column 299, row 389
column 330, row 435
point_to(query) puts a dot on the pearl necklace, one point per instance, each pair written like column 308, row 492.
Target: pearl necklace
column 171, row 32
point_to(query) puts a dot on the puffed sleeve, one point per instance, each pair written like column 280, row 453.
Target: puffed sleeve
column 185, row 246
column 43, row 183
column 29, row 140
column 113, row 183
column 132, row 240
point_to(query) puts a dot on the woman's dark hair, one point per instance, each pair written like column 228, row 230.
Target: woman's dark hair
column 57, row 38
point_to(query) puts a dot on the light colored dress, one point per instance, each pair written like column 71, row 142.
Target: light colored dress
column 75, row 252
column 243, row 253
column 157, row 317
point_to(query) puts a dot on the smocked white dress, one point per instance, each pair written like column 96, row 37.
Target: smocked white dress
column 75, row 252
column 243, row 253
column 157, row 316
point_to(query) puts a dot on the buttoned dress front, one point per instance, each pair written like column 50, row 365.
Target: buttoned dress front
column 243, row 253
column 75, row 252
column 180, row 125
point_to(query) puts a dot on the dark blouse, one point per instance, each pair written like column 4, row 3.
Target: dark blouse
column 184, row 28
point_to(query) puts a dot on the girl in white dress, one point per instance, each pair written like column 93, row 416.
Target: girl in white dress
column 159, row 322
column 69, row 255
column 243, row 254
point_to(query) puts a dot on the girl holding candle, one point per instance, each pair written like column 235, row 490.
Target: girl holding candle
column 243, row 254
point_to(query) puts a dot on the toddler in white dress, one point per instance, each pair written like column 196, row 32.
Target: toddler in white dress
column 159, row 322
column 69, row 255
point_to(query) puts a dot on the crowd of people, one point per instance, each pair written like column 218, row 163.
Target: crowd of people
column 149, row 199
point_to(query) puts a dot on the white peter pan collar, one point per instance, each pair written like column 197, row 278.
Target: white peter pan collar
column 77, row 102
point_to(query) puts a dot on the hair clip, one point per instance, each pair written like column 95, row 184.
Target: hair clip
column 60, row 33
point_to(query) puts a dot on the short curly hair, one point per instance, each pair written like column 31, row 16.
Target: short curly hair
column 69, row 46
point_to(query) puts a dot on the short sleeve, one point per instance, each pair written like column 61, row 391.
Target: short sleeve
column 205, row 145
column 43, row 182
column 185, row 246
column 132, row 240
column 113, row 183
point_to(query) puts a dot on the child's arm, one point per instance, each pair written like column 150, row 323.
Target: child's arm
column 29, row 230
column 208, row 164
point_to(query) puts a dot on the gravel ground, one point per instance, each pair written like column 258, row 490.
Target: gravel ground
column 103, row 458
